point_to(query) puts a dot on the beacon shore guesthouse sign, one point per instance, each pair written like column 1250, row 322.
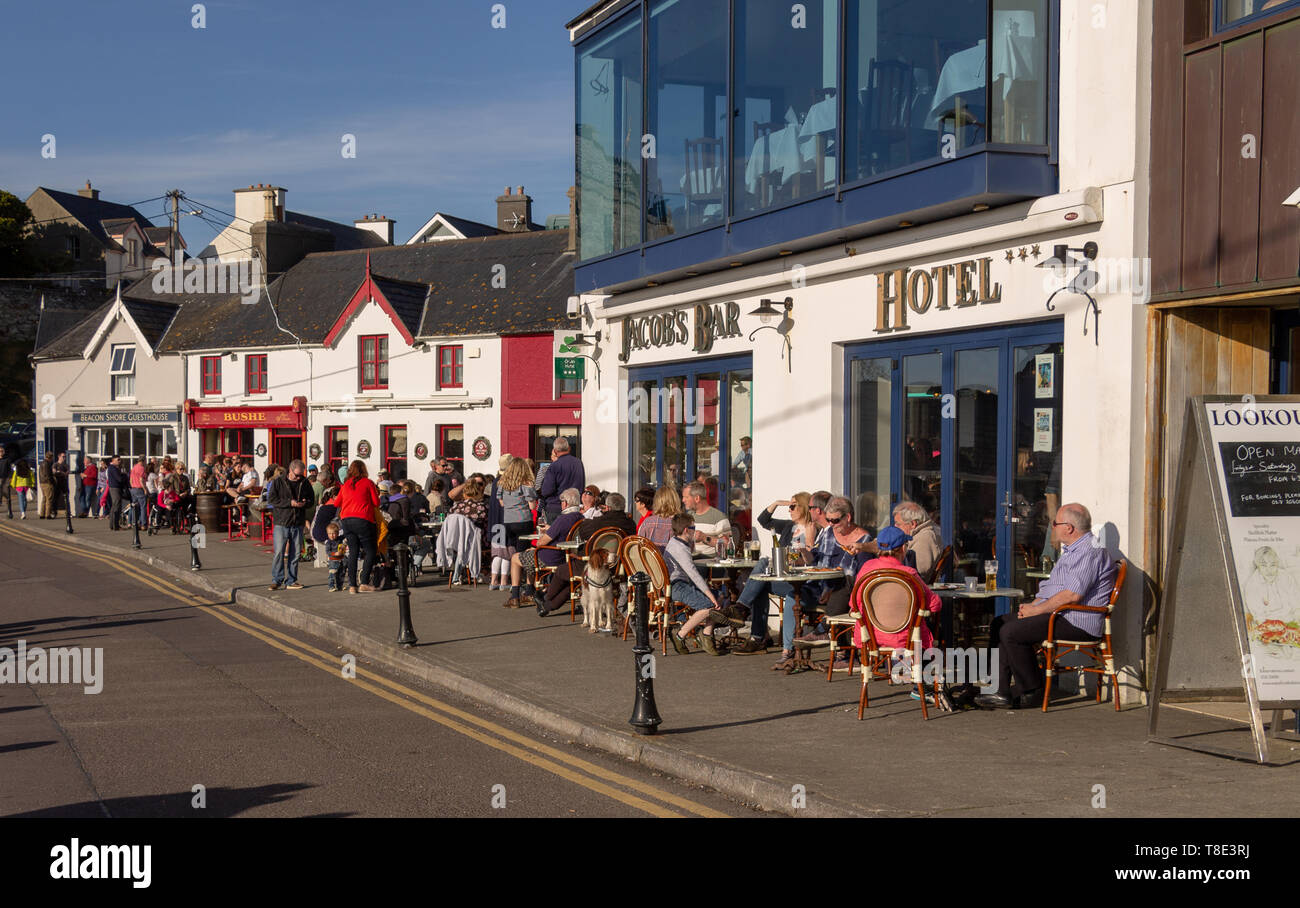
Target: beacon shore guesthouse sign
column 700, row 325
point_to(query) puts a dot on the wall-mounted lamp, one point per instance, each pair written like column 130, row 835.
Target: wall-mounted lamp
column 584, row 340
column 1061, row 263
column 231, row 354
column 766, row 312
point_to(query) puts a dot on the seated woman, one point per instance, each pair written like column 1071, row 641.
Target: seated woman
column 800, row 528
column 892, row 543
column 169, row 507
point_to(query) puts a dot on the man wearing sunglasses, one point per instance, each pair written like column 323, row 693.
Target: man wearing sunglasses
column 1084, row 575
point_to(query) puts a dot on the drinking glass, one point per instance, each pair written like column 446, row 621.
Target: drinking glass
column 990, row 576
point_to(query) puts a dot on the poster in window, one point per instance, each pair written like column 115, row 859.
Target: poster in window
column 1043, row 429
column 1045, row 375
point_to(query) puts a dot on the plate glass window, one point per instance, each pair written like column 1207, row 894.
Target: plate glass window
column 609, row 134
column 1236, row 12
column 785, row 115
column 687, row 116
column 210, row 367
column 451, row 368
column 122, row 372
column 373, row 362
column 255, row 382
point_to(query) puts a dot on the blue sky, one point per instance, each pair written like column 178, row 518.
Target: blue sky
column 446, row 109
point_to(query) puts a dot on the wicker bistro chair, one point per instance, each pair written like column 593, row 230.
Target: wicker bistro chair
column 542, row 572
column 1099, row 651
column 890, row 601
column 637, row 553
column 608, row 538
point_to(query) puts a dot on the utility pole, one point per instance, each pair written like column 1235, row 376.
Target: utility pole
column 175, row 196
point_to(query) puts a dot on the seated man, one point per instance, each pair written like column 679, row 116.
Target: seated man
column 1084, row 575
column 710, row 523
column 524, row 561
column 926, row 542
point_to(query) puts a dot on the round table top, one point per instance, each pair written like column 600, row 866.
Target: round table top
column 1002, row 592
column 566, row 545
column 530, row 537
column 737, row 563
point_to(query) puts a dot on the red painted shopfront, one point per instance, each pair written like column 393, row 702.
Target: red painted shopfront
column 242, row 430
column 535, row 406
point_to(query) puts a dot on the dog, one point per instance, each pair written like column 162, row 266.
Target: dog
column 598, row 593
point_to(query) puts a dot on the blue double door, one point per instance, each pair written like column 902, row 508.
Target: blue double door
column 968, row 426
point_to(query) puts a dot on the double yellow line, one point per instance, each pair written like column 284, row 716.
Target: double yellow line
column 535, row 753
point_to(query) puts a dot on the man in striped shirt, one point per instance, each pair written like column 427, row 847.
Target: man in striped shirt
column 1084, row 575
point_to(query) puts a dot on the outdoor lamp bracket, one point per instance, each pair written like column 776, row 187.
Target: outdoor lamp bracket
column 766, row 311
column 569, row 346
column 1082, row 282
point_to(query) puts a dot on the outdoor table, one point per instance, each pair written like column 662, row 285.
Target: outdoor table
column 738, row 563
column 567, row 546
column 964, row 597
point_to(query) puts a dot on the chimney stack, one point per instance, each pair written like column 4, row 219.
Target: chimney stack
column 88, row 193
column 573, row 219
column 514, row 212
column 379, row 225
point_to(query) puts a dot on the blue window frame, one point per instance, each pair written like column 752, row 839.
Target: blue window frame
column 957, row 423
column 688, row 418
column 845, row 115
column 1232, row 13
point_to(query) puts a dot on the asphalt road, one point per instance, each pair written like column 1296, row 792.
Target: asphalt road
column 206, row 712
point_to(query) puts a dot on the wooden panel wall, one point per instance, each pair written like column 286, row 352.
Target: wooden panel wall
column 1216, row 217
column 1243, row 86
column 1279, row 251
column 1208, row 351
column 1202, row 108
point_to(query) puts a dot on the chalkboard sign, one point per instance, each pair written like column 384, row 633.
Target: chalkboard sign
column 1230, row 609
column 1263, row 478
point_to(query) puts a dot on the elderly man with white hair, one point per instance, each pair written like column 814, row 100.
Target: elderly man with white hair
column 524, row 562
column 926, row 542
column 1084, row 575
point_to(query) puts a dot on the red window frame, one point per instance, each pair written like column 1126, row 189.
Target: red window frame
column 332, row 439
column 255, row 373
column 451, row 366
column 210, row 370
column 457, row 461
column 395, row 465
column 377, row 359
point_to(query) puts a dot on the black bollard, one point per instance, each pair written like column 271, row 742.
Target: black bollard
column 69, row 529
column 195, row 564
column 405, row 633
column 135, row 529
column 645, row 717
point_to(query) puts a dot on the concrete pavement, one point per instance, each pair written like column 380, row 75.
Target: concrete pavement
column 784, row 743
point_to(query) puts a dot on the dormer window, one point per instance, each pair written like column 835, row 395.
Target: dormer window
column 122, row 372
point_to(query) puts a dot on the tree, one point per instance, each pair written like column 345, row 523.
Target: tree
column 15, row 217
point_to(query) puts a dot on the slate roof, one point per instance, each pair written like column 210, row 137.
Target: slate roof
column 90, row 212
column 72, row 340
column 467, row 227
column 151, row 317
column 345, row 236
column 407, row 299
column 55, row 322
column 437, row 289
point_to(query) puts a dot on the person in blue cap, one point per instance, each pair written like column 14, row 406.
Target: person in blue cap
column 892, row 543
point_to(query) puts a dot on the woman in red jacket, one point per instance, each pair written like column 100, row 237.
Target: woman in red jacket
column 358, row 498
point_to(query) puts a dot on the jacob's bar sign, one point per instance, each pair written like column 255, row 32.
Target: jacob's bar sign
column 958, row 285
column 667, row 328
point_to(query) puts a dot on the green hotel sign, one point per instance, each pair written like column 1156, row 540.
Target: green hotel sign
column 570, row 368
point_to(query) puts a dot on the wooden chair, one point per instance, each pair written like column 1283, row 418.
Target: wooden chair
column 1099, row 651
column 607, row 538
column 542, row 572
column 942, row 566
column 703, row 178
column 639, row 554
column 766, row 192
column 887, row 115
column 890, row 601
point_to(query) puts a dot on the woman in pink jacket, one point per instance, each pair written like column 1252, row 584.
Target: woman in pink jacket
column 893, row 546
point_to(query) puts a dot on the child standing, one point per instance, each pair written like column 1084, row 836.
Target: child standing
column 336, row 550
